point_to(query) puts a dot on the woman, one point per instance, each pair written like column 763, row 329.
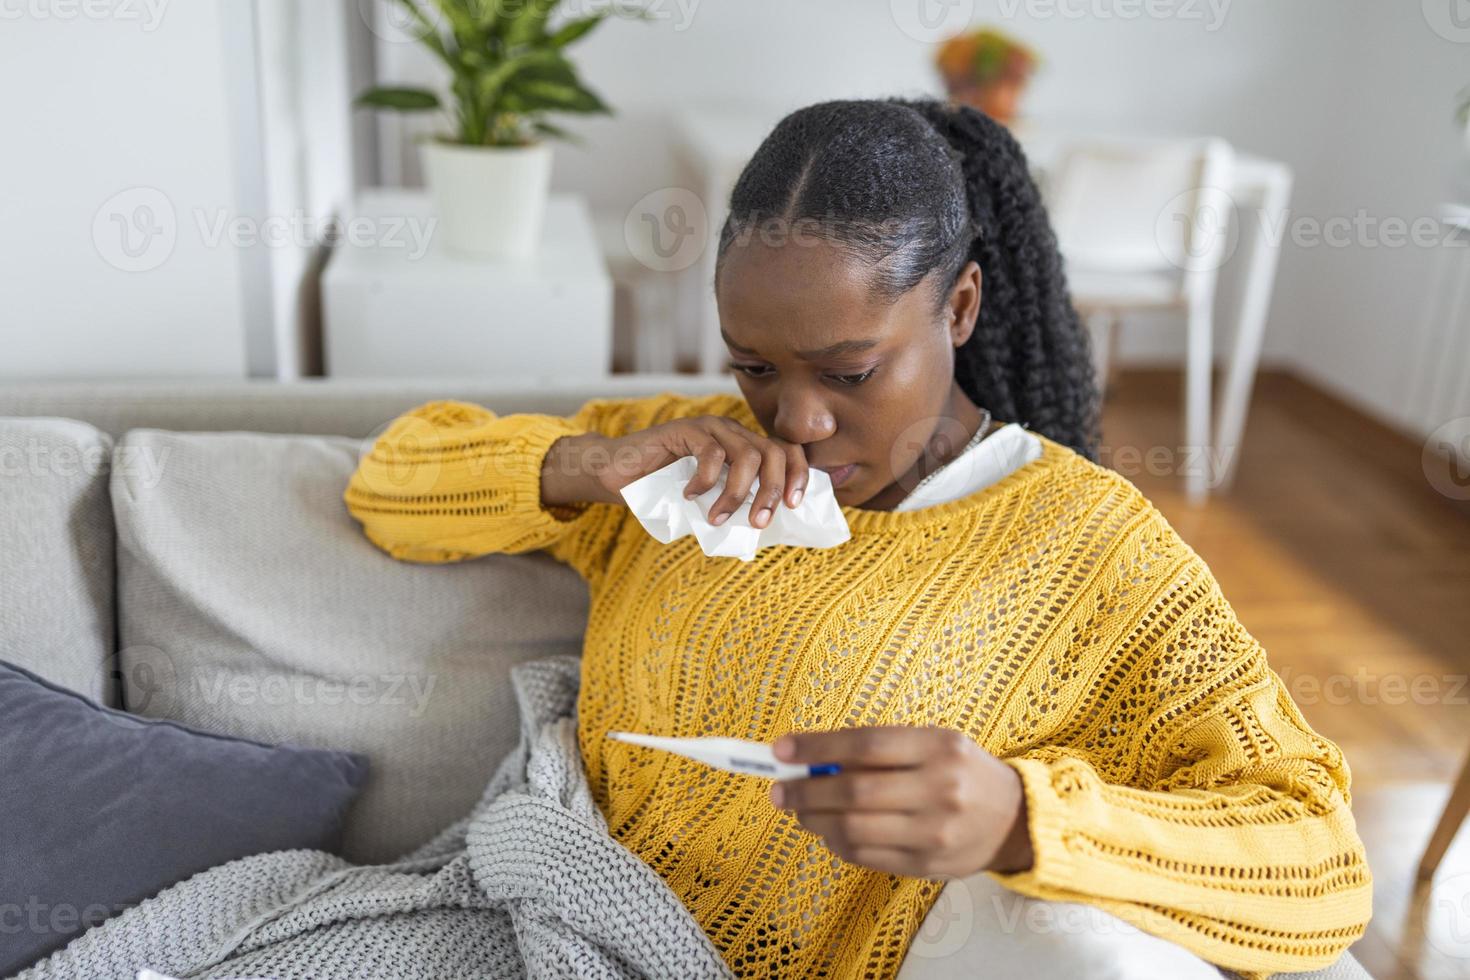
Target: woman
column 1029, row 674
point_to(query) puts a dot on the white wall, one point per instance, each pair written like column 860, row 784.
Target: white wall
column 218, row 136
column 1355, row 95
column 1384, row 144
column 93, row 109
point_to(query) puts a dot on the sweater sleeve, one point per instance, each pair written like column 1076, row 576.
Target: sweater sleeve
column 451, row 480
column 1192, row 798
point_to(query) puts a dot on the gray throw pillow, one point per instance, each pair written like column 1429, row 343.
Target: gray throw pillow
column 101, row 809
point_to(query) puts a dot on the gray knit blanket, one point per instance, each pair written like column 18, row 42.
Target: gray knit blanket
column 530, row 884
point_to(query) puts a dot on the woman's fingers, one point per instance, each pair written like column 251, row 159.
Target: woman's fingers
column 853, row 829
column 900, row 790
column 745, row 460
column 796, row 472
column 773, row 483
column 875, row 745
column 725, row 449
column 709, row 455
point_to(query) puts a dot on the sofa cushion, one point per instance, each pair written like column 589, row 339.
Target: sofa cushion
column 250, row 603
column 102, row 809
column 56, row 617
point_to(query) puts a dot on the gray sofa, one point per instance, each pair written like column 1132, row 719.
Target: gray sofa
column 181, row 550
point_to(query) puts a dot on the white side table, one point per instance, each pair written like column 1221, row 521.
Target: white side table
column 396, row 303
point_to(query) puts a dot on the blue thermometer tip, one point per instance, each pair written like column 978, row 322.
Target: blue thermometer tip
column 825, row 769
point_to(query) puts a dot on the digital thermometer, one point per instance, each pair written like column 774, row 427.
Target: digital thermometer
column 730, row 754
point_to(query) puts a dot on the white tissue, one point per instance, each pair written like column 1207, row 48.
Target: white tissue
column 658, row 501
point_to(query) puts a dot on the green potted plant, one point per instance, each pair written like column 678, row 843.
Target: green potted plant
column 508, row 69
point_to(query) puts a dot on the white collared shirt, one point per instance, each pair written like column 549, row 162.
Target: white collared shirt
column 996, row 456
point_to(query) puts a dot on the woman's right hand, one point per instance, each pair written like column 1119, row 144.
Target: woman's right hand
column 713, row 440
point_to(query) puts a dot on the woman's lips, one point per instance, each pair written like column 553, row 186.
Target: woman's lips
column 840, row 474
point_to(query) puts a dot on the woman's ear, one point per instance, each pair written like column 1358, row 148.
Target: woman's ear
column 964, row 304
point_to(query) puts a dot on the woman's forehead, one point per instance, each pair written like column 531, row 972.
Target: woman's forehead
column 804, row 297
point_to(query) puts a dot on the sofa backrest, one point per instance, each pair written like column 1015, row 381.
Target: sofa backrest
column 56, row 553
column 318, row 406
column 246, row 599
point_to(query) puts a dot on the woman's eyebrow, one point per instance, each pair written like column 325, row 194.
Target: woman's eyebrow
column 832, row 350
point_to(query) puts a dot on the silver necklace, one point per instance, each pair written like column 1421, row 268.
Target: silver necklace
column 974, row 441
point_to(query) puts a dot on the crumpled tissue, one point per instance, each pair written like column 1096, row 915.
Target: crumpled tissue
column 658, row 501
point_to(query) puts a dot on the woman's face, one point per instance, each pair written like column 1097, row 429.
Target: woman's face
column 855, row 381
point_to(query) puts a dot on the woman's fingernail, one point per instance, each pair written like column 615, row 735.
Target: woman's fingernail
column 761, row 515
column 784, row 747
column 718, row 520
column 777, row 794
column 796, row 497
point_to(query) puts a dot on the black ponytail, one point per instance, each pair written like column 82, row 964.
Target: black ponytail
column 916, row 189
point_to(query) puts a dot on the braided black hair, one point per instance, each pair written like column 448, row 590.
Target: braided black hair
column 916, row 189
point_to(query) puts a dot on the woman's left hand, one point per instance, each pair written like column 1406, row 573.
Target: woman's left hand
column 927, row 802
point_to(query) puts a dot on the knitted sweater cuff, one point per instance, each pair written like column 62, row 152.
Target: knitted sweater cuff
column 1046, row 820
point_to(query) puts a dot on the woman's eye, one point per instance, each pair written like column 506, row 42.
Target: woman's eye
column 749, row 370
column 765, row 371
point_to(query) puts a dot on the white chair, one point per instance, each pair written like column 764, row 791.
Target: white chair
column 1145, row 225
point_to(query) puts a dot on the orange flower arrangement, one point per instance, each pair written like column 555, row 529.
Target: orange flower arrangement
column 987, row 69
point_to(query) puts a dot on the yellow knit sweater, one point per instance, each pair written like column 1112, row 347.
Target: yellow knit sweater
column 1055, row 617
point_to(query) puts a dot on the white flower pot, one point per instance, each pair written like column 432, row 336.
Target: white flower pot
column 490, row 200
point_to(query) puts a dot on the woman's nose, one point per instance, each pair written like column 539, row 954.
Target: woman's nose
column 802, row 419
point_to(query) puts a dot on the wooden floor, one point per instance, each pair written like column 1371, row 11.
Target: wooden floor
column 1354, row 573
